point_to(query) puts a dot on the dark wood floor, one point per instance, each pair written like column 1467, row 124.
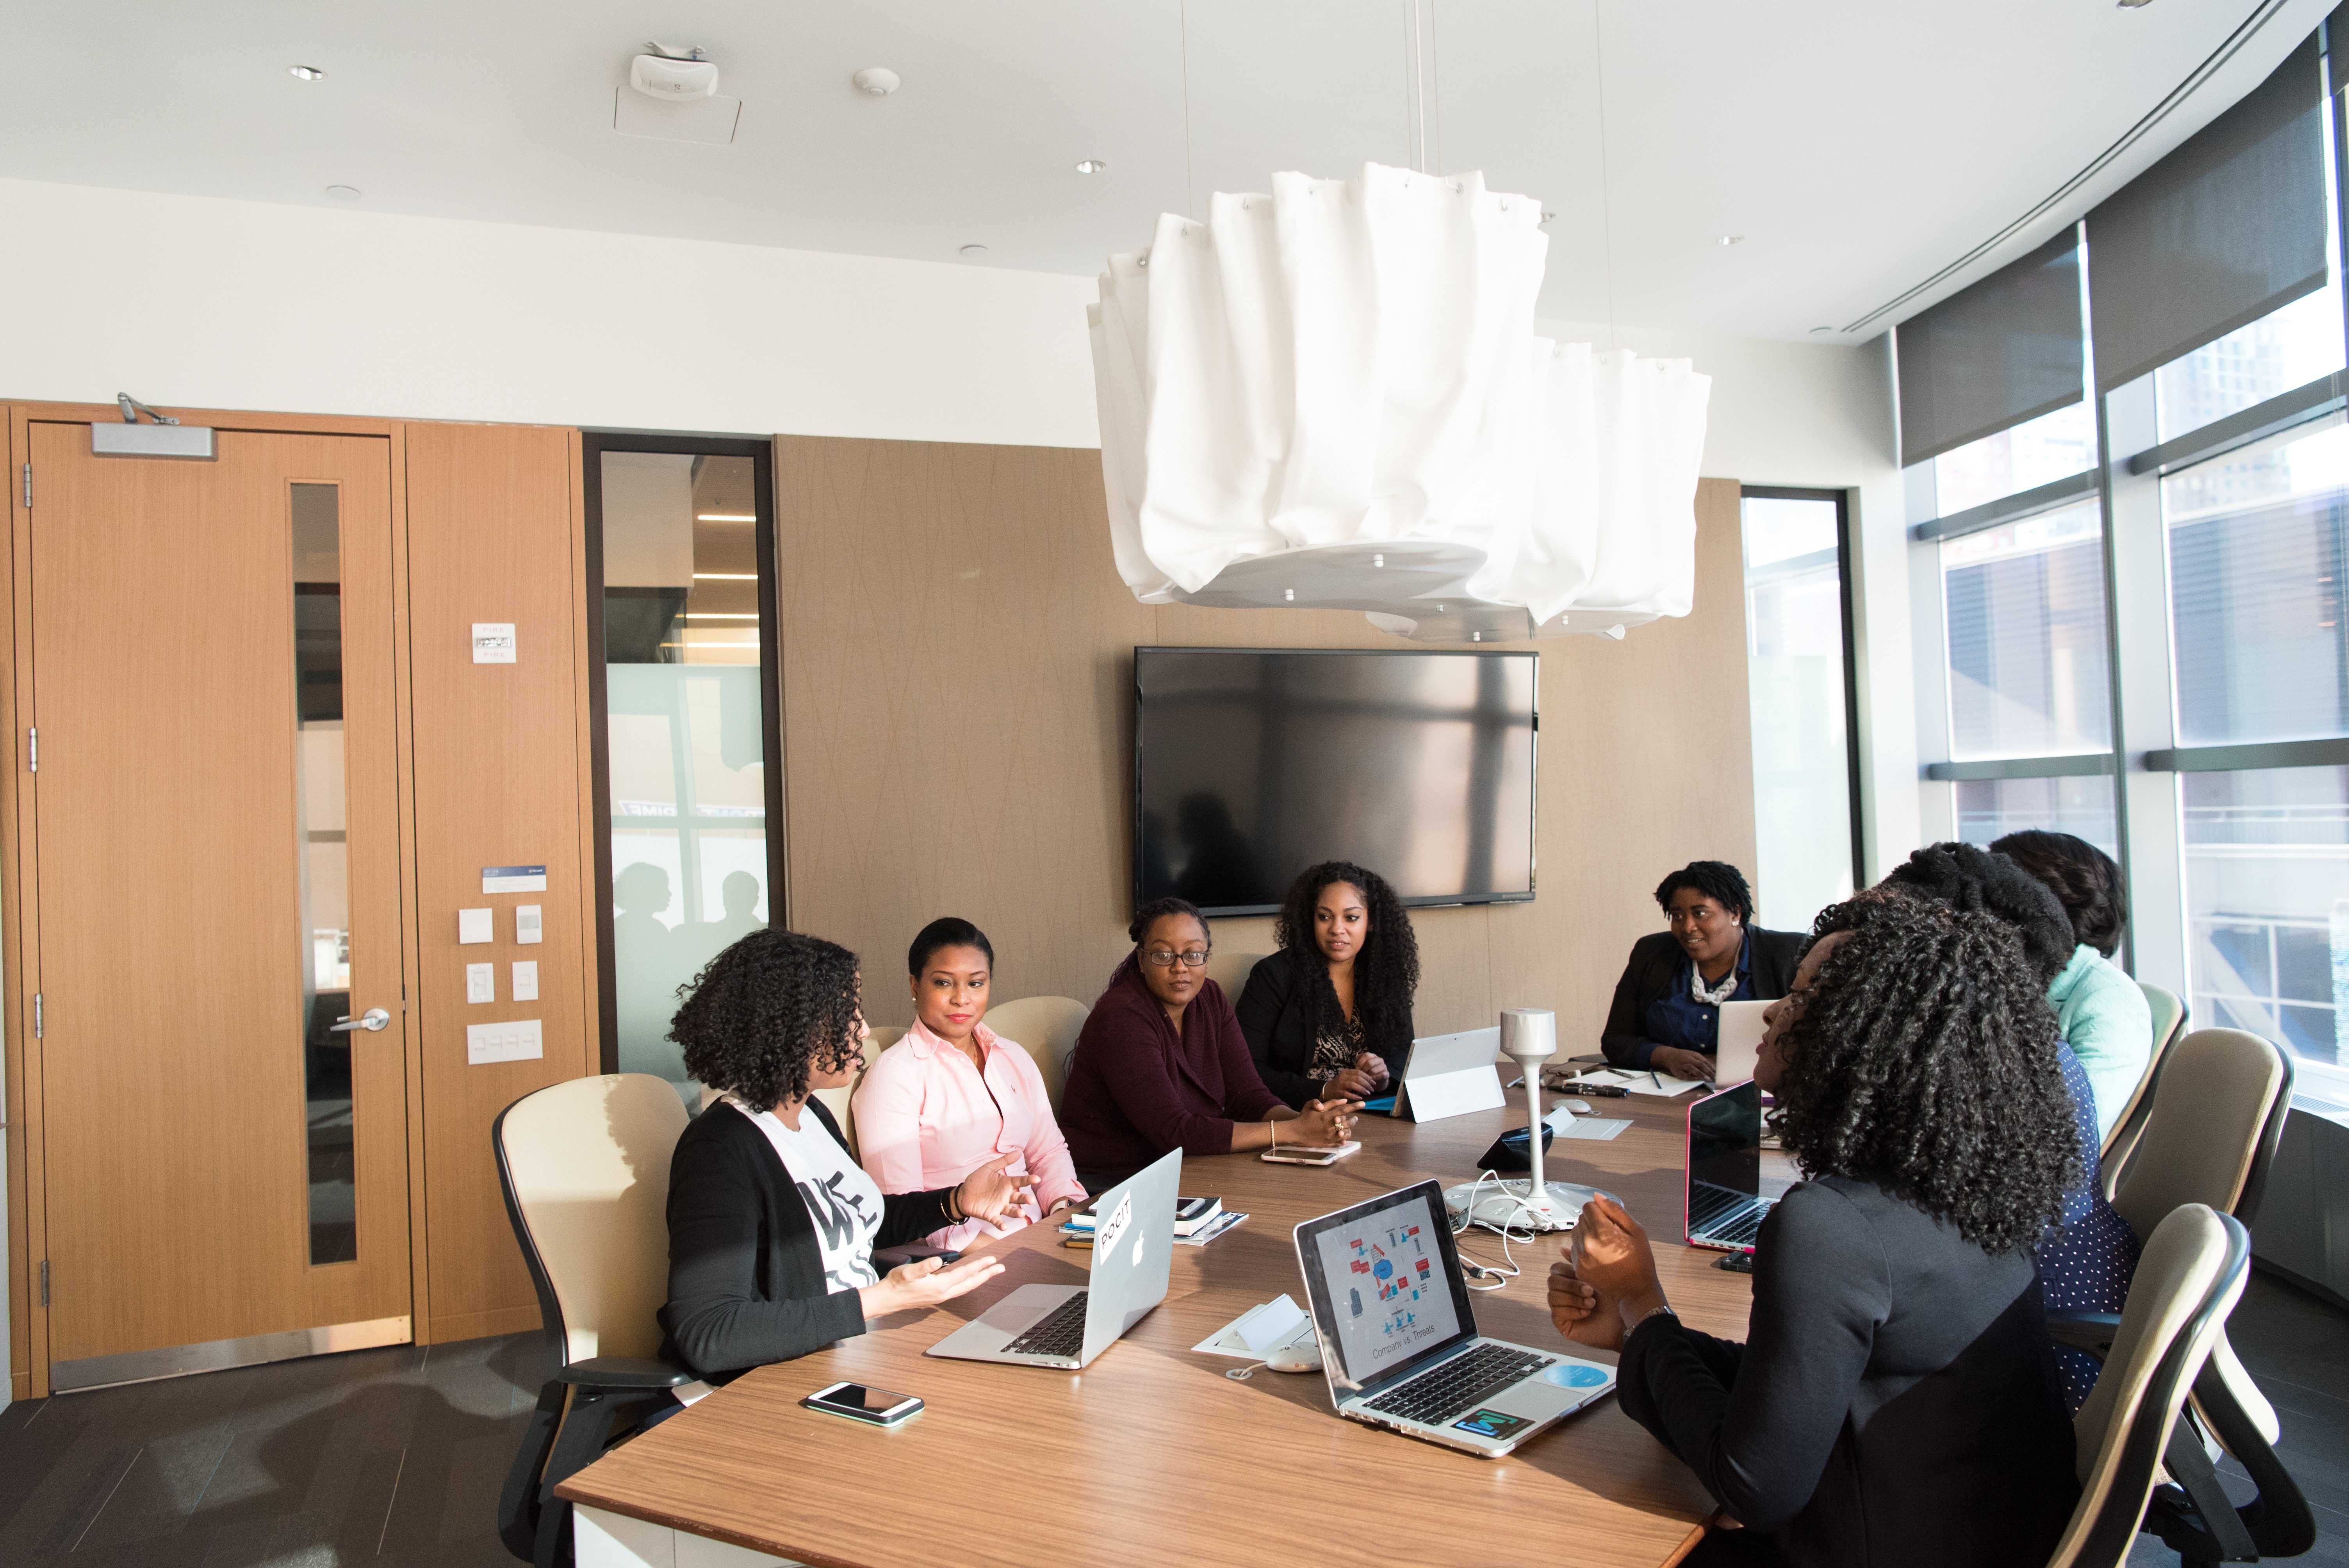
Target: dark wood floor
column 395, row 1457
column 389, row 1457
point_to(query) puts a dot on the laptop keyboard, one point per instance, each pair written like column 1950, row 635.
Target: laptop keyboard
column 1733, row 1222
column 1060, row 1332
column 1459, row 1385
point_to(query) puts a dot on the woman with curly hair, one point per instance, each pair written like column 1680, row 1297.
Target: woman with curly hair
column 2104, row 1017
column 1895, row 1400
column 771, row 1226
column 1667, row 1009
column 1329, row 1016
column 1161, row 1064
column 2087, row 1262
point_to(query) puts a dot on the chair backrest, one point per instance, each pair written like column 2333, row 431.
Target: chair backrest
column 585, row 1169
column 1231, row 971
column 2168, row 1028
column 2218, row 1110
column 841, row 1102
column 2187, row 1280
column 1047, row 1028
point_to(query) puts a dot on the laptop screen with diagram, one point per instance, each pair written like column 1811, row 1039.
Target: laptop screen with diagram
column 1386, row 1284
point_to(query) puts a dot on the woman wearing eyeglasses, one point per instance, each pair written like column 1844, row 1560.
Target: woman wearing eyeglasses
column 1162, row 1063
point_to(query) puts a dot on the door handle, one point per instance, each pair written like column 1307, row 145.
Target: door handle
column 374, row 1019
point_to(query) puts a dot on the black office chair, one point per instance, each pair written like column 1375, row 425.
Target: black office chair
column 584, row 1166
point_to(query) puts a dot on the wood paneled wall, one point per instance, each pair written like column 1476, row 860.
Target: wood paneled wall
column 957, row 663
column 493, row 536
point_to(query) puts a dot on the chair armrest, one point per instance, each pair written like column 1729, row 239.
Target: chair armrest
column 2223, row 1377
column 2093, row 1332
column 622, row 1372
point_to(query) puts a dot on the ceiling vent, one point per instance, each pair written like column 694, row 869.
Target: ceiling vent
column 672, row 95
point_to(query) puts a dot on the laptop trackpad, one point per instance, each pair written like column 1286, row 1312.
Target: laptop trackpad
column 1018, row 1312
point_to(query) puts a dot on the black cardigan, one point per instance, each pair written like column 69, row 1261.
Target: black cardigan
column 1655, row 958
column 746, row 1281
column 1896, row 1403
column 1276, row 1013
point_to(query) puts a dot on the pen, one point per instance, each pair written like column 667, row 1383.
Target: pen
column 1653, row 1079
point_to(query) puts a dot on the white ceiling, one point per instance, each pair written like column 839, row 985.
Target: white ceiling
column 1859, row 146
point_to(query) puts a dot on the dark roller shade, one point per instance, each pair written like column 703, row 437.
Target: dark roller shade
column 1999, row 351
column 2226, row 229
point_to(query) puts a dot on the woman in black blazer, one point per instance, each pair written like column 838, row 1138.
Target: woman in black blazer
column 1895, row 1400
column 772, row 1225
column 1329, row 1016
column 1667, row 1009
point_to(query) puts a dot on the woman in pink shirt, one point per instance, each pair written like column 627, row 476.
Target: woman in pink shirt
column 953, row 1094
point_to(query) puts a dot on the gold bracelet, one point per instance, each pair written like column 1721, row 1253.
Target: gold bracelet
column 1273, row 1127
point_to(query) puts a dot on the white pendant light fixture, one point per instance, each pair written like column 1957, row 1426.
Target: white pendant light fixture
column 1332, row 397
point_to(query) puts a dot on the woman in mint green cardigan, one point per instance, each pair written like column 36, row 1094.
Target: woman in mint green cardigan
column 2104, row 1016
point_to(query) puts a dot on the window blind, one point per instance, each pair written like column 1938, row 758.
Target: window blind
column 2226, row 229
column 1999, row 351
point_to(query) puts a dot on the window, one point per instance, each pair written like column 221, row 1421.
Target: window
column 2267, row 896
column 2288, row 348
column 2025, row 609
column 1800, row 685
column 2036, row 452
column 689, row 775
column 1989, row 808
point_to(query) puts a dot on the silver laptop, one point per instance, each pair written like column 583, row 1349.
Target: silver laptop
column 1067, row 1325
column 1398, row 1342
column 1739, row 1044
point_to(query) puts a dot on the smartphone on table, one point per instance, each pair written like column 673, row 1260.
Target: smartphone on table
column 858, row 1402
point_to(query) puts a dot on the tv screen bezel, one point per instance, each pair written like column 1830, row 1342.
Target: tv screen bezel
column 1438, row 900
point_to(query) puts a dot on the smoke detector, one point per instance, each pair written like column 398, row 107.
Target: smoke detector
column 673, row 75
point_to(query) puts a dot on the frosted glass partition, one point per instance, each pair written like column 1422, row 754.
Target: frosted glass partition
column 686, row 734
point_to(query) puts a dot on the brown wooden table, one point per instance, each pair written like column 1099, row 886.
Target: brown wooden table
column 1151, row 1455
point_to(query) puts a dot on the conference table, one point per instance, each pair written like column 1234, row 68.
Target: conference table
column 1151, row 1455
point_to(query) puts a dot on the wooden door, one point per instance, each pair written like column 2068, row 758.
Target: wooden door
column 215, row 824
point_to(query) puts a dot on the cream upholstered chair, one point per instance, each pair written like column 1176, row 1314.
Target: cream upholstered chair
column 1047, row 1028
column 2159, row 1357
column 841, row 1102
column 584, row 1167
column 2215, row 1116
column 1231, row 971
column 2169, row 1027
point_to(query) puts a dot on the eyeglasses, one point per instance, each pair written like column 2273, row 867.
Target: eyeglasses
column 1195, row 958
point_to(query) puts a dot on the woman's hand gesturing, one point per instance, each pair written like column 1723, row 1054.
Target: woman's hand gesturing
column 926, row 1283
column 995, row 1193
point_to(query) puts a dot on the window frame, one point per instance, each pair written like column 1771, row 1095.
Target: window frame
column 761, row 450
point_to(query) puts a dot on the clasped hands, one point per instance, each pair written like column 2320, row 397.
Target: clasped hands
column 1606, row 1281
column 1360, row 1081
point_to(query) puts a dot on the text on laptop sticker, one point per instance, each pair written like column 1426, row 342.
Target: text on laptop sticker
column 1113, row 1230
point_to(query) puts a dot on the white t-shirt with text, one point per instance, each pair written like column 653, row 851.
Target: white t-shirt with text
column 843, row 1203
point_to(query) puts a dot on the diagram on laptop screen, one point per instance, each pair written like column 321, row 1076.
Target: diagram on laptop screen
column 1387, row 1286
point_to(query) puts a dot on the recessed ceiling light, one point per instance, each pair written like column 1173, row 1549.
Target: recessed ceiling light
column 1819, row 329
column 879, row 81
column 972, row 252
column 1093, row 166
column 1727, row 239
column 2134, row 5
column 343, row 193
column 308, row 73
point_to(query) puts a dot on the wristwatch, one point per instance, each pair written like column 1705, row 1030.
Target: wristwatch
column 1661, row 1309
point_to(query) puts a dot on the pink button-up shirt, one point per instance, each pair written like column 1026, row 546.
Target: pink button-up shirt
column 926, row 1118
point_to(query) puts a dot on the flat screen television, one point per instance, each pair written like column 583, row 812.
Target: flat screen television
column 1251, row 764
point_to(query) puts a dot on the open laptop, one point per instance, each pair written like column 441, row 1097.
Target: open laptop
column 1725, row 1206
column 1739, row 1044
column 1398, row 1342
column 1066, row 1325
column 1451, row 1074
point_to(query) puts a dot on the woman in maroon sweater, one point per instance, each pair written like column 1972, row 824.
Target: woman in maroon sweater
column 1161, row 1064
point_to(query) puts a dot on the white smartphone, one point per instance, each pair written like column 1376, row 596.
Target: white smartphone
column 1309, row 1154
column 874, row 1406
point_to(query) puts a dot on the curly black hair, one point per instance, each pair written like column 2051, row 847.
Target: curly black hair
column 1922, row 1060
column 1718, row 881
column 1969, row 877
column 1386, row 970
column 2083, row 879
column 766, row 1011
column 1158, row 909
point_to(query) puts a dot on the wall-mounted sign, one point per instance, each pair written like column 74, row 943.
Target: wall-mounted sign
column 494, row 642
column 514, row 879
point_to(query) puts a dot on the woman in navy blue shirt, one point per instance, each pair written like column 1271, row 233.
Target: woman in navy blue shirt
column 1667, row 1009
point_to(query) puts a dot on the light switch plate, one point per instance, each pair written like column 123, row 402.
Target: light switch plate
column 526, row 980
column 516, row 1040
column 476, row 925
column 481, row 982
column 529, row 927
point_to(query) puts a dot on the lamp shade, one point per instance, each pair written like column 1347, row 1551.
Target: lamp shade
column 1332, row 397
